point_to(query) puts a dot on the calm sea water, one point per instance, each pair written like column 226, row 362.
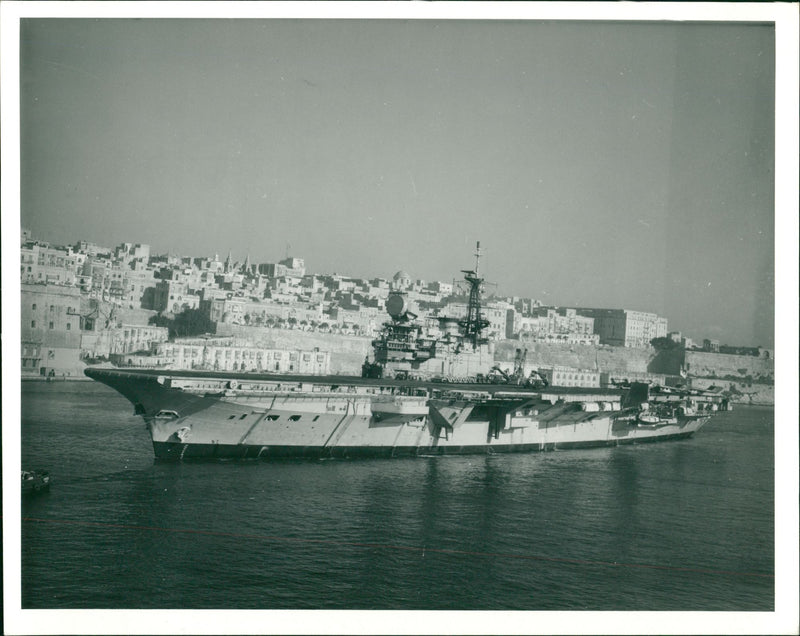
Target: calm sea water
column 684, row 525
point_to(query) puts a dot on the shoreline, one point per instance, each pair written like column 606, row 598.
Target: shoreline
column 83, row 378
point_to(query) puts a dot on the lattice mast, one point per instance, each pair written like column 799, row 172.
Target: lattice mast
column 474, row 324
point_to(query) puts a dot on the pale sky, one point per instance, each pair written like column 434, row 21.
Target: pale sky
column 600, row 164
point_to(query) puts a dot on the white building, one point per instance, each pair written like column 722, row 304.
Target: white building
column 231, row 354
column 567, row 376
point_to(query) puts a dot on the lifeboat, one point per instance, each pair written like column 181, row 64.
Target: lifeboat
column 650, row 420
column 399, row 410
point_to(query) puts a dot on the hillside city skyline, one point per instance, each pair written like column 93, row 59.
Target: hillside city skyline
column 616, row 164
column 237, row 264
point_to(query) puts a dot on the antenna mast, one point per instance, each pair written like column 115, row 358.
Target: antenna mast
column 474, row 324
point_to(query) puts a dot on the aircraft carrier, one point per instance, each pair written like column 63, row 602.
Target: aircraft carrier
column 421, row 394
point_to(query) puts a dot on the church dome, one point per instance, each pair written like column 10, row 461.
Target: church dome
column 401, row 280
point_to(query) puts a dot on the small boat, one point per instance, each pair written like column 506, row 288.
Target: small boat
column 399, row 409
column 34, row 481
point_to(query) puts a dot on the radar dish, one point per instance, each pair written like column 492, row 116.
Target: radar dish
column 396, row 305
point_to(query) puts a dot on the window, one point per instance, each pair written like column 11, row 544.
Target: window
column 243, row 416
column 52, row 307
column 33, row 306
column 51, row 324
column 69, row 326
column 272, row 418
column 294, row 418
column 33, row 324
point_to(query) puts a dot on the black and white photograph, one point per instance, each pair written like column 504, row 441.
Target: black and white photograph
column 484, row 314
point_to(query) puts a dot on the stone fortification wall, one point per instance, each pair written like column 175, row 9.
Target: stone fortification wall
column 347, row 352
column 701, row 364
column 576, row 356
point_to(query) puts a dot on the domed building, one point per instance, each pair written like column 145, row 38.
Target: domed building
column 401, row 281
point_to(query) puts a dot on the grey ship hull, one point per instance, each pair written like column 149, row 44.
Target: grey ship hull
column 193, row 415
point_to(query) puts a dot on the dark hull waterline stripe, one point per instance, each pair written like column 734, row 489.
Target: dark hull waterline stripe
column 179, row 451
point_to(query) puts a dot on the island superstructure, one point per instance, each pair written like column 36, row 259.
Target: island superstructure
column 425, row 392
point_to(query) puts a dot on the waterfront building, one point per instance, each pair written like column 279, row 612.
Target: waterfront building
column 50, row 329
column 615, row 376
column 215, row 353
column 121, row 339
column 131, row 338
column 566, row 376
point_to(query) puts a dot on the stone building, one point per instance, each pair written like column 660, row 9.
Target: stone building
column 292, row 267
column 401, row 281
column 566, row 376
column 50, row 330
column 229, row 354
column 174, row 296
column 40, row 263
column 625, row 327
column 554, row 325
column 247, row 311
